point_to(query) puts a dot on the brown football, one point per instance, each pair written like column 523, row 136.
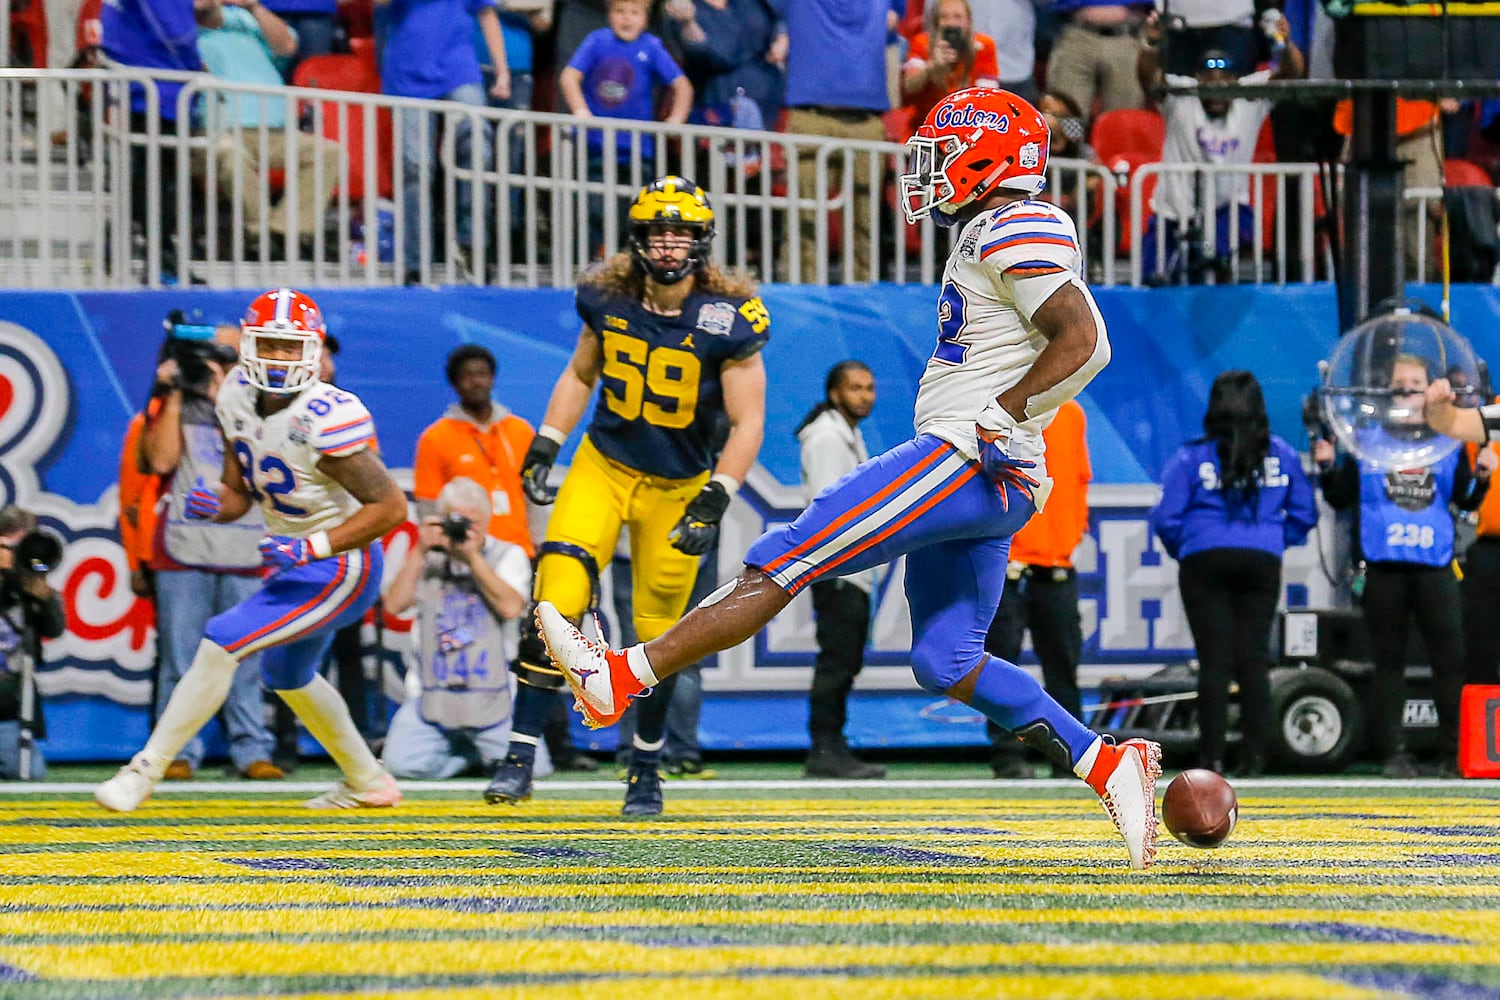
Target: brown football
column 1200, row 808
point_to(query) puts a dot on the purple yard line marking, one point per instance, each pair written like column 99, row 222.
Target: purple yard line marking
column 1456, row 859
column 281, row 864
column 11, row 974
column 1367, row 934
column 1482, row 832
column 1419, row 984
column 476, row 904
column 913, row 854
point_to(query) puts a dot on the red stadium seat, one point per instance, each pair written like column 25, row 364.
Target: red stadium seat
column 1132, row 130
column 355, row 74
column 1462, row 173
column 1124, row 140
column 28, row 32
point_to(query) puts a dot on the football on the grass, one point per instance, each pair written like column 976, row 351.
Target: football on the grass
column 1200, row 808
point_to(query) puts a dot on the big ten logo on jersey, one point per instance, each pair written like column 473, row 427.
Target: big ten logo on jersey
column 1129, row 604
column 109, row 646
column 658, row 385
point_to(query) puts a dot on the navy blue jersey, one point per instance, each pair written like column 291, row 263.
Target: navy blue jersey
column 661, row 405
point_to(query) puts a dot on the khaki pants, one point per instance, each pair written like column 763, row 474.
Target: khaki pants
column 1086, row 65
column 242, row 151
column 806, row 121
column 1424, row 169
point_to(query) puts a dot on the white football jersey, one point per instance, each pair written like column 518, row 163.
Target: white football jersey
column 279, row 454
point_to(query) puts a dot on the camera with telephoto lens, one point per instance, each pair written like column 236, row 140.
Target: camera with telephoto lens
column 38, row 552
column 192, row 346
column 456, row 528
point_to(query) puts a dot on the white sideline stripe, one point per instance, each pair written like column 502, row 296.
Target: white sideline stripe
column 9, row 789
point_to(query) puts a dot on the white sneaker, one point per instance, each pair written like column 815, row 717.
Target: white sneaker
column 600, row 677
column 381, row 795
column 131, row 785
column 1125, row 779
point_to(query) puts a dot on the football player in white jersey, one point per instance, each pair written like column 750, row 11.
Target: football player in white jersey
column 1018, row 334
column 301, row 448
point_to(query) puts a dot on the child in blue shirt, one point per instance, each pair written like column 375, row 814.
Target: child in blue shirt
column 615, row 72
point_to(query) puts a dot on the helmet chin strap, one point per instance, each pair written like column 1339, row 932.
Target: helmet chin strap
column 983, row 187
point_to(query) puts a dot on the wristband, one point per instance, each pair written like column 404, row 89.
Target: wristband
column 318, row 542
column 552, row 434
column 731, row 485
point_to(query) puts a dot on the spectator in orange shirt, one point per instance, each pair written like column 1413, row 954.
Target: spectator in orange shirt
column 1041, row 586
column 948, row 56
column 139, row 490
column 480, row 439
column 1480, row 587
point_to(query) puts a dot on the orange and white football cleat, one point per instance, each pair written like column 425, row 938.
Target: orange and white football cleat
column 599, row 676
column 1124, row 777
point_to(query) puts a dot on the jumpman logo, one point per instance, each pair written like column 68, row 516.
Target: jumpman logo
column 584, row 675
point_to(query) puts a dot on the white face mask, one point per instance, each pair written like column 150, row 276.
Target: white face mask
column 276, row 375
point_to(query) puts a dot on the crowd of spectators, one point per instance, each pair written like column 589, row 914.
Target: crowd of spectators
column 765, row 64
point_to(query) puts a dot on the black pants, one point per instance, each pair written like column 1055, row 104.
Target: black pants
column 1048, row 606
column 1230, row 598
column 140, row 184
column 842, row 611
column 1481, row 605
column 1395, row 593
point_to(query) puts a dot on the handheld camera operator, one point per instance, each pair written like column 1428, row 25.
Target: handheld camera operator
column 30, row 611
column 200, row 568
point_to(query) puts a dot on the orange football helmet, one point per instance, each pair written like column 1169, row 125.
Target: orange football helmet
column 290, row 323
column 972, row 142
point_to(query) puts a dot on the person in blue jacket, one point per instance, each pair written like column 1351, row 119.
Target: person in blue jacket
column 1232, row 501
column 1404, row 541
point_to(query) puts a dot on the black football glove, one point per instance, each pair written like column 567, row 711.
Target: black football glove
column 535, row 469
column 700, row 522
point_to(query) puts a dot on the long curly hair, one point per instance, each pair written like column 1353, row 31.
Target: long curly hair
column 1236, row 422
column 618, row 275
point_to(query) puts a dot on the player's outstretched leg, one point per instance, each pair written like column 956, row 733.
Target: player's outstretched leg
column 605, row 680
column 365, row 785
column 199, row 694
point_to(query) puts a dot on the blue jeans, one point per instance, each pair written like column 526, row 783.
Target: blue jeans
column 415, row 748
column 10, row 754
column 415, row 180
column 185, row 600
column 522, row 87
column 1184, row 257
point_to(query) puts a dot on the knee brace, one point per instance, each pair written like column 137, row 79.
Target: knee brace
column 572, row 594
column 532, row 666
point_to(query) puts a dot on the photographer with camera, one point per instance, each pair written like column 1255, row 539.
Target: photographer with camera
column 948, row 56
column 200, row 568
column 30, row 611
column 469, row 588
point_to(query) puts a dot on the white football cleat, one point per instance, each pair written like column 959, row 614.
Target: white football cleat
column 1125, row 779
column 131, row 785
column 382, row 795
column 599, row 676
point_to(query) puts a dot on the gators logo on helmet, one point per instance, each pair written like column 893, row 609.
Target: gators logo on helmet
column 973, row 142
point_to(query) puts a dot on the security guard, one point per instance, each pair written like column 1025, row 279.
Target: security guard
column 676, row 342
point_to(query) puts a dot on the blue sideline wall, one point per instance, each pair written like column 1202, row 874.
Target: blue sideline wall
column 74, row 367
